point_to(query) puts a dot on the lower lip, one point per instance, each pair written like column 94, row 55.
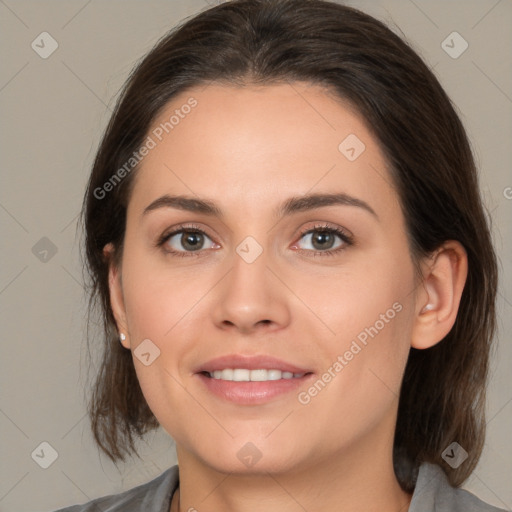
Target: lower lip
column 250, row 393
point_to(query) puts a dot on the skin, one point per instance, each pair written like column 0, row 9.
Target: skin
column 248, row 150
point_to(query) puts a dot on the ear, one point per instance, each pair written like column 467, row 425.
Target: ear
column 116, row 294
column 438, row 298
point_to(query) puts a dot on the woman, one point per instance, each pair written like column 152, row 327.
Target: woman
column 285, row 233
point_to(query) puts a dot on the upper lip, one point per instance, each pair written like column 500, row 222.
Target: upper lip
column 249, row 363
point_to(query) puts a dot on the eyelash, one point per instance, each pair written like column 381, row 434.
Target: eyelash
column 191, row 228
column 343, row 235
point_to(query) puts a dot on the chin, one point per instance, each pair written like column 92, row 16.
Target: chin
column 248, row 458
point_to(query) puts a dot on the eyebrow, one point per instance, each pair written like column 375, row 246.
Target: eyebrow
column 290, row 206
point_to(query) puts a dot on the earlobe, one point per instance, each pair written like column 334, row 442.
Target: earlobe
column 439, row 296
column 116, row 294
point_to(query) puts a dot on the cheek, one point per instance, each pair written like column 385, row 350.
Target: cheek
column 162, row 307
column 364, row 299
column 368, row 314
column 160, row 299
column 359, row 385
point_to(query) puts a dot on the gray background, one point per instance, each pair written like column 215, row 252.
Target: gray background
column 53, row 113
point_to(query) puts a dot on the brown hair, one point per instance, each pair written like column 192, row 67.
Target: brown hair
column 363, row 62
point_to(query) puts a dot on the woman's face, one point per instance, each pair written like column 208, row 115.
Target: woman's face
column 260, row 274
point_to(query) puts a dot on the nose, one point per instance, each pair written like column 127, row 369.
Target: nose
column 251, row 298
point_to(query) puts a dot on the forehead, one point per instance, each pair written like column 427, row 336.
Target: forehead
column 253, row 143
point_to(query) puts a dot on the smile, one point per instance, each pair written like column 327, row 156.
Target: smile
column 257, row 375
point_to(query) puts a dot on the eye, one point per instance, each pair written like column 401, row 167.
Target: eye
column 188, row 240
column 185, row 240
column 322, row 240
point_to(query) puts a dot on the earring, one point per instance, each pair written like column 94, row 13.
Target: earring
column 428, row 307
column 122, row 337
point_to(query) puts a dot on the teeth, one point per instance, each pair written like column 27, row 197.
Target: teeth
column 240, row 375
column 259, row 375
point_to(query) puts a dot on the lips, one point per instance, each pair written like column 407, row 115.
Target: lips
column 257, row 362
column 243, row 391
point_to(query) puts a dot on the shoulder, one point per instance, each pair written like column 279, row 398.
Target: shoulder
column 153, row 496
column 433, row 493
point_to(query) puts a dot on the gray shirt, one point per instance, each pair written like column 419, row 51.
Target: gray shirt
column 432, row 493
